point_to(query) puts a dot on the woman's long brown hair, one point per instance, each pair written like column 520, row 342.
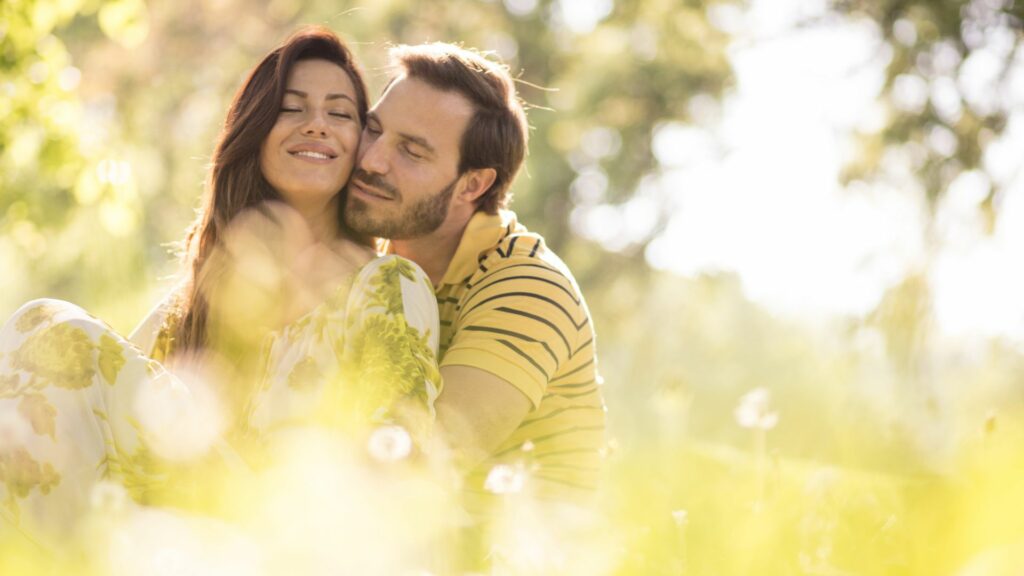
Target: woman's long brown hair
column 236, row 181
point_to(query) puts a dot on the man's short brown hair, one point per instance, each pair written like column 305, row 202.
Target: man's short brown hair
column 496, row 135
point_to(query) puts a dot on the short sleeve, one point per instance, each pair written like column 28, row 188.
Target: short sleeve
column 393, row 326
column 519, row 321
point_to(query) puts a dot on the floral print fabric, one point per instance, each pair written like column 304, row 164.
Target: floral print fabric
column 77, row 399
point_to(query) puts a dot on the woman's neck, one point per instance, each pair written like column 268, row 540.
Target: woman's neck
column 322, row 219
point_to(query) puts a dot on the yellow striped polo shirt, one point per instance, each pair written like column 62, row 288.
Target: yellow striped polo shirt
column 509, row 306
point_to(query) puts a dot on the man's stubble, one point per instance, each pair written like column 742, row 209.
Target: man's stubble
column 414, row 221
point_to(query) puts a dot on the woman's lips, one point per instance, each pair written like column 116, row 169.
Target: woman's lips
column 314, row 152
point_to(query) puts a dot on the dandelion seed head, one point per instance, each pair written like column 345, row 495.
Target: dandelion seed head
column 107, row 496
column 389, row 444
column 681, row 517
column 754, row 410
column 505, row 479
column 610, row 447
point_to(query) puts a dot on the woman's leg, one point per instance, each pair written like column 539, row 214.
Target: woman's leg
column 79, row 405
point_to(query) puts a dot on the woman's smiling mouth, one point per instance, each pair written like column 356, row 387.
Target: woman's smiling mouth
column 317, row 152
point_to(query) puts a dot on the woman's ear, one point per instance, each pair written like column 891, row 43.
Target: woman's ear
column 476, row 183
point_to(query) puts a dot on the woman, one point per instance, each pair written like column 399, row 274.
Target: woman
column 271, row 309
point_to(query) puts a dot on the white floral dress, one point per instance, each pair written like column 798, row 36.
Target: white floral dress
column 80, row 405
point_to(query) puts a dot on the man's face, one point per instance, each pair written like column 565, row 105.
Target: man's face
column 407, row 166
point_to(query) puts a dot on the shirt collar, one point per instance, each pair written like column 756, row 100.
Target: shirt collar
column 483, row 233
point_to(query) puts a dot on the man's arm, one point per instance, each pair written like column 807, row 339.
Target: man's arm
column 477, row 411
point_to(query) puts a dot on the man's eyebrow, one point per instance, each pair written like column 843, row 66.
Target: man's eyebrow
column 329, row 96
column 418, row 140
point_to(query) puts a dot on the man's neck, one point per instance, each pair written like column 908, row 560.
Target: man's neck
column 434, row 252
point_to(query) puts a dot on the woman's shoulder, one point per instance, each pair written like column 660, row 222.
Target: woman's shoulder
column 147, row 332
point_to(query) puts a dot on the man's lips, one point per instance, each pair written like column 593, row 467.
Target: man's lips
column 369, row 191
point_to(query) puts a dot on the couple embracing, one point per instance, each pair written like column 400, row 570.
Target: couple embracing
column 348, row 265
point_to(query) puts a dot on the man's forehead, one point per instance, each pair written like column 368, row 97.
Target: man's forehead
column 417, row 105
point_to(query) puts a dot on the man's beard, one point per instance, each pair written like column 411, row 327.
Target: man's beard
column 414, row 221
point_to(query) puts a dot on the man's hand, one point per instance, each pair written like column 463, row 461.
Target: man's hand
column 477, row 411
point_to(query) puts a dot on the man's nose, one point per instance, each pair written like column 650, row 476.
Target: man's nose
column 373, row 156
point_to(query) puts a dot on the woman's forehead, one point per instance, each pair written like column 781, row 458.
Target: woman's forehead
column 319, row 77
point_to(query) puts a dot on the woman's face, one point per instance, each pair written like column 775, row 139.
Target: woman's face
column 308, row 154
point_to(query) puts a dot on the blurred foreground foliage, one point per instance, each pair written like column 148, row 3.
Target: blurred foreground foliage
column 893, row 453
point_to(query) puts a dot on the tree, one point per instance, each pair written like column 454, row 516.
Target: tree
column 947, row 94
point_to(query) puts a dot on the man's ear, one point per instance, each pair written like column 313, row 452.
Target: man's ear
column 477, row 182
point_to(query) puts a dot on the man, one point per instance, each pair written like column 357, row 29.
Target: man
column 437, row 156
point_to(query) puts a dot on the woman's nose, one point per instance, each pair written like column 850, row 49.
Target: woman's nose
column 315, row 125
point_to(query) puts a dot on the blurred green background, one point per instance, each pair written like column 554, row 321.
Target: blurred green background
column 748, row 434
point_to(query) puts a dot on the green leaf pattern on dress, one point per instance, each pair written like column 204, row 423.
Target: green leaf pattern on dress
column 356, row 359
column 356, row 355
column 305, row 374
column 111, row 358
column 64, row 356
column 20, row 473
column 60, row 355
column 33, row 317
column 387, row 285
column 387, row 360
column 139, row 471
column 40, row 414
column 10, row 385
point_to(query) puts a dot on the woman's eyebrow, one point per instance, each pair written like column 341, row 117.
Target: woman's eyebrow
column 329, row 96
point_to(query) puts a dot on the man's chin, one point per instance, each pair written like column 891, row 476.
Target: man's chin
column 357, row 218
